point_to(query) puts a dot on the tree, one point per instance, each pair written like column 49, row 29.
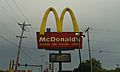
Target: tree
column 117, row 70
column 86, row 66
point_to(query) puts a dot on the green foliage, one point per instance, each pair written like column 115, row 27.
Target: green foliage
column 95, row 64
column 3, row 71
column 97, row 67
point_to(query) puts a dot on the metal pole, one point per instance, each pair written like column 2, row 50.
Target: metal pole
column 80, row 54
column 60, row 63
column 78, row 40
column 91, row 68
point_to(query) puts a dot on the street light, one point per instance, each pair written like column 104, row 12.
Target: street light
column 78, row 39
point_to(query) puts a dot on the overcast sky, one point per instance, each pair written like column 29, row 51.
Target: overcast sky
column 102, row 16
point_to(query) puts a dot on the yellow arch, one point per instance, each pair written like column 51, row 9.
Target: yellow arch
column 75, row 25
column 59, row 23
column 43, row 25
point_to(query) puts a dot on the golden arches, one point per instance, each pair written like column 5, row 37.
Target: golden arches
column 59, row 23
column 75, row 25
column 43, row 25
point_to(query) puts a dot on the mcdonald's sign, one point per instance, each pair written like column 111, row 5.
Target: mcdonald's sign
column 59, row 39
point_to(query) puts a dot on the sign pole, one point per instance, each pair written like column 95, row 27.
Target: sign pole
column 80, row 54
column 78, row 39
column 60, row 63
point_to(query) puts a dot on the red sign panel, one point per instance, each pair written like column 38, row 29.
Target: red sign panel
column 55, row 40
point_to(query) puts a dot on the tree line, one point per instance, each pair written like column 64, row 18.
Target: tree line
column 96, row 65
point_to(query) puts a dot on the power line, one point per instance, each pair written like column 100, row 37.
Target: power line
column 3, row 30
column 17, row 46
column 20, row 10
column 28, row 56
column 11, row 15
column 19, row 18
column 8, row 41
column 12, row 9
column 13, row 44
column 8, row 12
column 23, row 14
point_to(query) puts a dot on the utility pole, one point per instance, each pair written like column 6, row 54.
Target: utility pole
column 90, row 58
column 20, row 42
